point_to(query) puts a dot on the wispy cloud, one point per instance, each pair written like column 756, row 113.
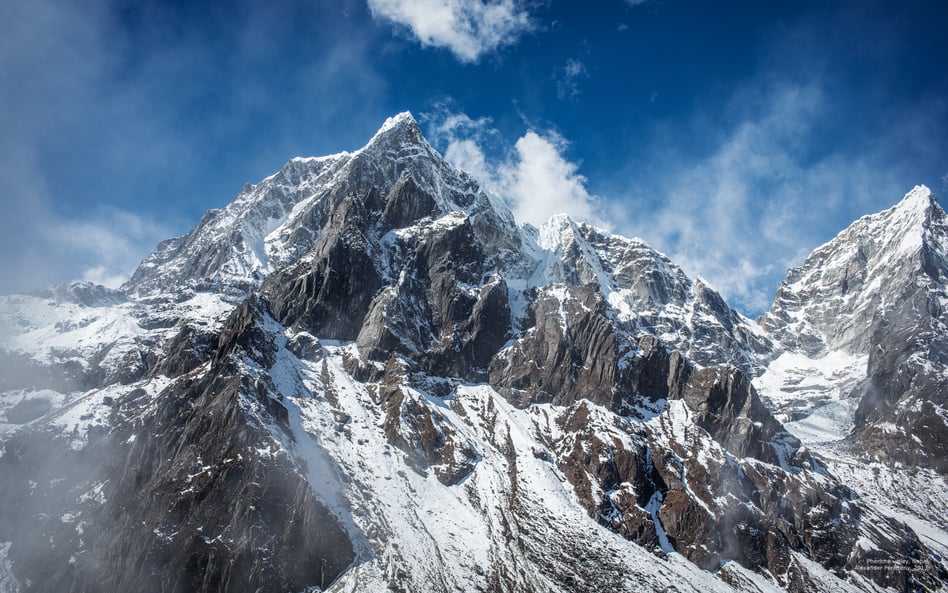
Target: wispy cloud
column 468, row 28
column 760, row 200
column 567, row 78
column 104, row 249
column 533, row 177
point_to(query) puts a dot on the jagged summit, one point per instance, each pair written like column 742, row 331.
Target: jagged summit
column 919, row 198
column 645, row 291
column 401, row 128
column 400, row 123
column 397, row 181
column 828, row 302
column 396, row 176
column 397, row 136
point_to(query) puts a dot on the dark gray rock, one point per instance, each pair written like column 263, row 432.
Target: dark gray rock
column 575, row 352
column 329, row 292
column 572, row 352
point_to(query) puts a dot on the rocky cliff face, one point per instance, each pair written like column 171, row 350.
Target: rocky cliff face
column 362, row 375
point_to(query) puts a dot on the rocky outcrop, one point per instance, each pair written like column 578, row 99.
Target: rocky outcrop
column 320, row 292
column 445, row 310
column 421, row 432
column 902, row 402
column 668, row 485
column 648, row 294
column 571, row 352
column 575, row 352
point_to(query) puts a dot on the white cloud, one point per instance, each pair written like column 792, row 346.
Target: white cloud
column 468, row 28
column 105, row 249
column 534, row 178
column 467, row 155
column 540, row 182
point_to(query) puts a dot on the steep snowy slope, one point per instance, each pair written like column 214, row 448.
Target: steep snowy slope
column 862, row 360
column 361, row 375
column 861, row 334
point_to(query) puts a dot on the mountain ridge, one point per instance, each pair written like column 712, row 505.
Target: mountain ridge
column 363, row 364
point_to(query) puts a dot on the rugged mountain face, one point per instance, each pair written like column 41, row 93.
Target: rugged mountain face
column 861, row 328
column 362, row 375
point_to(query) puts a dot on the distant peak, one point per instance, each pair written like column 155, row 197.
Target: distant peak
column 556, row 227
column 560, row 220
column 556, row 232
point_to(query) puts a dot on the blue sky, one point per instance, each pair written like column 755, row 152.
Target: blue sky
column 735, row 136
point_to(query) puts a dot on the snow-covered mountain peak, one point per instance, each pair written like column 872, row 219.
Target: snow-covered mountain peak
column 859, row 335
column 403, row 121
column 363, row 375
column 828, row 303
column 920, row 199
column 557, row 232
column 903, row 228
column 646, row 292
column 900, row 229
column 399, row 136
column 396, row 176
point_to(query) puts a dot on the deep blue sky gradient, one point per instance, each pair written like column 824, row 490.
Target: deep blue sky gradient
column 126, row 120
